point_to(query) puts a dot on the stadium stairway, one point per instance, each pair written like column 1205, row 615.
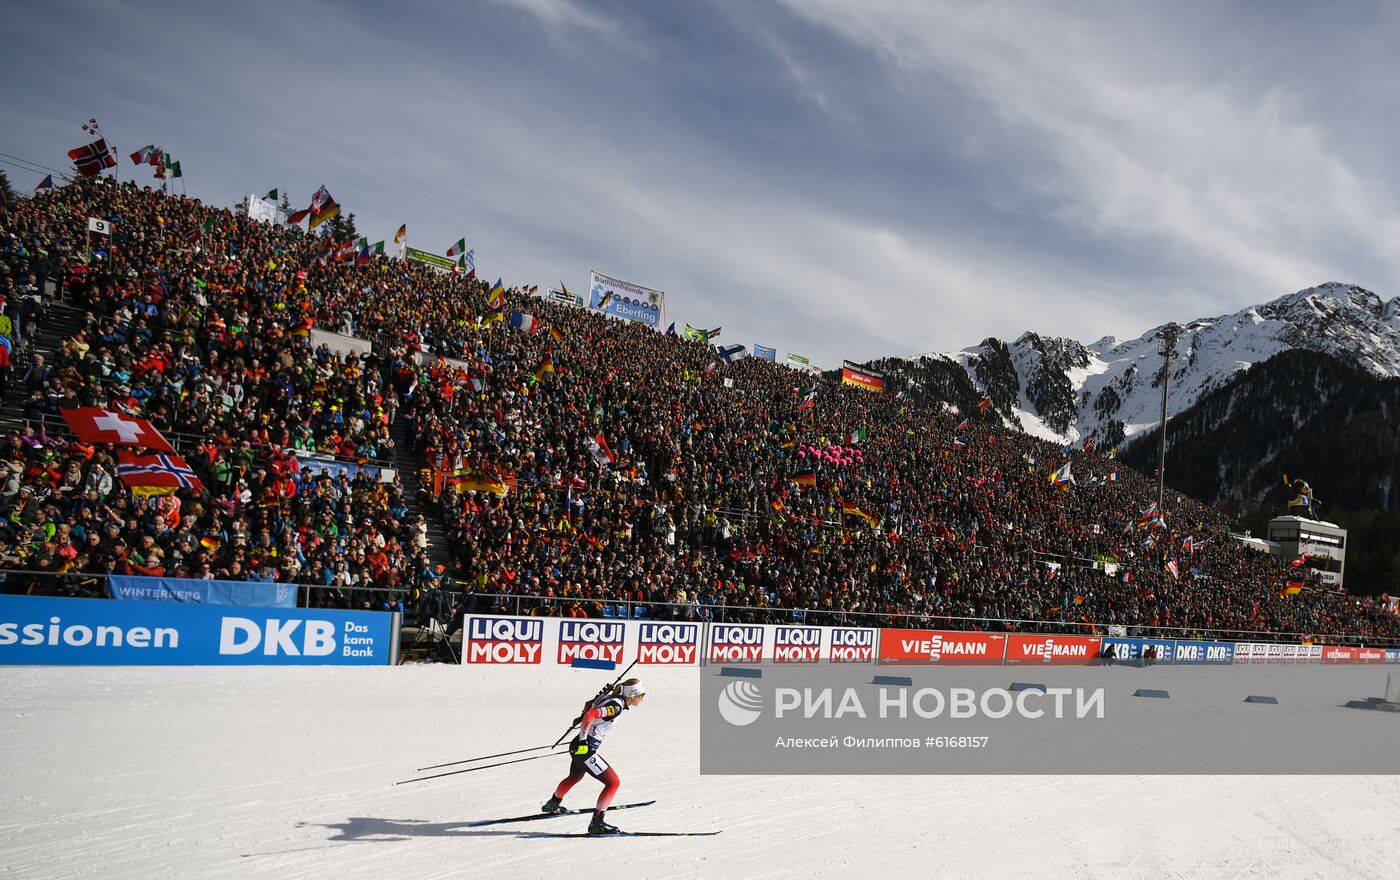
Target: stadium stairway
column 405, row 461
column 61, row 321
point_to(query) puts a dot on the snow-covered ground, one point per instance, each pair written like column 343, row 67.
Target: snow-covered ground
column 287, row 772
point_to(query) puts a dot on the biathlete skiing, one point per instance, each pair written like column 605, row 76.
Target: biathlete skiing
column 596, row 722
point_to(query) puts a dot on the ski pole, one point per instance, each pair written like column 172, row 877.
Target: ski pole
column 482, row 767
column 484, row 758
column 609, row 687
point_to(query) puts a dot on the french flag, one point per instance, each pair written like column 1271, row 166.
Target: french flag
column 524, row 322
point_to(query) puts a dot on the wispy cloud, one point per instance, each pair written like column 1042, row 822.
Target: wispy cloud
column 839, row 179
column 1131, row 145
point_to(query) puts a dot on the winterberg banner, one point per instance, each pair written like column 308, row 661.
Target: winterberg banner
column 623, row 299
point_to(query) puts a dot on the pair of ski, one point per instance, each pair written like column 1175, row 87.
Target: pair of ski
column 567, row 812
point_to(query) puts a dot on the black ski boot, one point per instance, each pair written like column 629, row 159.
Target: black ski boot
column 598, row 826
column 552, row 806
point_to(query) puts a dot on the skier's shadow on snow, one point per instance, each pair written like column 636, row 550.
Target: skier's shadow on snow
column 364, row 829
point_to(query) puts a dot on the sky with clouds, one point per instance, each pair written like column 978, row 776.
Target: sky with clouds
column 834, row 178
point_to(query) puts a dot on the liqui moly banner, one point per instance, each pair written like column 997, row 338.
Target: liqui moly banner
column 916, row 646
column 1296, row 655
column 671, row 644
column 735, row 643
column 1249, row 654
column 1053, row 649
column 850, row 644
column 797, row 644
column 1288, row 655
column 508, row 640
column 591, row 640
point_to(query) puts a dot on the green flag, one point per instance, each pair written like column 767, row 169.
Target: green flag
column 379, row 248
column 271, row 195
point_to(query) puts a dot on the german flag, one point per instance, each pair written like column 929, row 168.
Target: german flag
column 1292, row 589
column 558, row 337
column 480, row 480
column 861, row 513
column 546, row 367
column 805, row 478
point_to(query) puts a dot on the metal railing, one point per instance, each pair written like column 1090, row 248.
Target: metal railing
column 524, row 605
column 454, row 596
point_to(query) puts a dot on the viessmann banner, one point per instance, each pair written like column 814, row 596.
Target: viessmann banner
column 102, row 632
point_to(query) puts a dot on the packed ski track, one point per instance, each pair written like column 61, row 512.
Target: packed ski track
column 289, row 773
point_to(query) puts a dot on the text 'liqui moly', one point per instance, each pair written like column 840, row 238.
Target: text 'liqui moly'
column 797, row 644
column 504, row 640
column 852, row 645
column 668, row 644
column 590, row 640
column 736, row 643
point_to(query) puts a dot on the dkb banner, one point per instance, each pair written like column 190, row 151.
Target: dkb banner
column 99, row 632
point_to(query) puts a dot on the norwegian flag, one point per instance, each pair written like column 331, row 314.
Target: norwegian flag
column 93, row 424
column 92, row 159
column 156, row 474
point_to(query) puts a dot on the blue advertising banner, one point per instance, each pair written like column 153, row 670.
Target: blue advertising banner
column 1131, row 650
column 1222, row 653
column 623, row 299
column 198, row 592
column 1392, row 655
column 763, row 352
column 42, row 630
column 335, row 468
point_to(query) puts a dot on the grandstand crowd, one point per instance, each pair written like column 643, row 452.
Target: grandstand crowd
column 714, row 486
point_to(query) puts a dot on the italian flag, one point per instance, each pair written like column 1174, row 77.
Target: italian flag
column 856, row 437
column 143, row 155
column 459, row 248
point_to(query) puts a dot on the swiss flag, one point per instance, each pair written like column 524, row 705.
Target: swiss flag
column 93, row 424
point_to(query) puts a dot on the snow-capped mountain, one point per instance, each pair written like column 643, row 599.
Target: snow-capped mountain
column 1061, row 389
